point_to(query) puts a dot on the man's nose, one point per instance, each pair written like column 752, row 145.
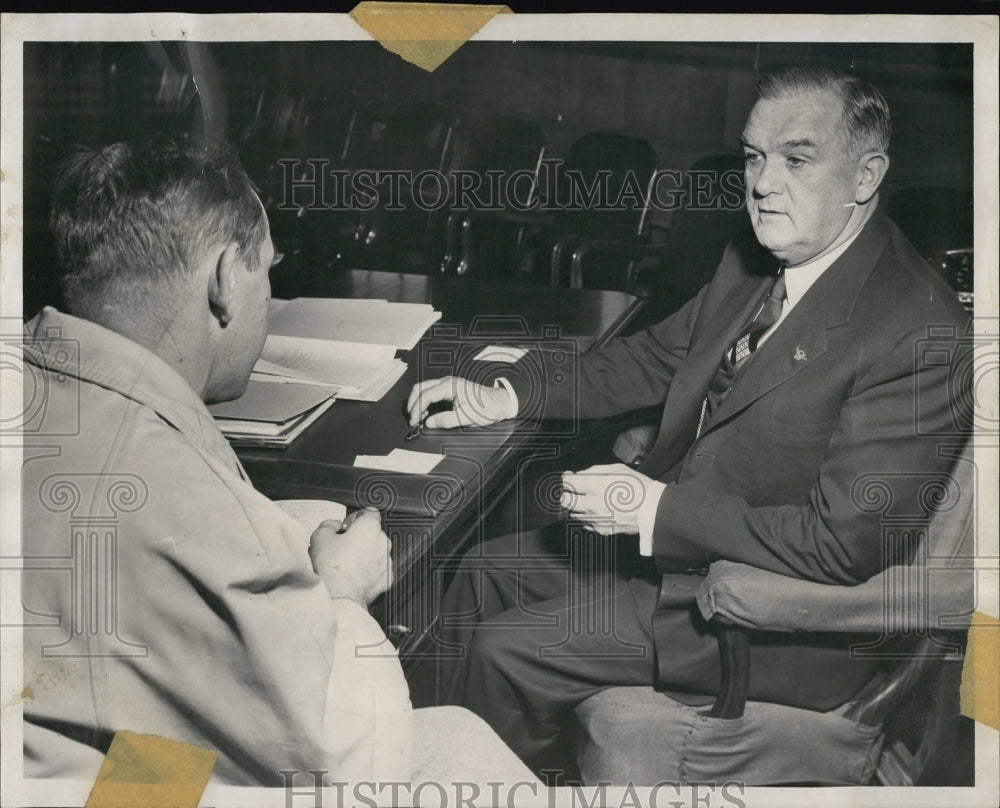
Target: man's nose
column 765, row 180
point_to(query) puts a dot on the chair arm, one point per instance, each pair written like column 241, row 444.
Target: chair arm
column 895, row 598
column 737, row 597
column 458, row 220
column 567, row 241
column 869, row 707
column 926, row 595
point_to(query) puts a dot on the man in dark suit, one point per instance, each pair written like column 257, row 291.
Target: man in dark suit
column 784, row 382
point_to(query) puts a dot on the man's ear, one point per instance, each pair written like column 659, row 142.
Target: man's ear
column 873, row 168
column 222, row 283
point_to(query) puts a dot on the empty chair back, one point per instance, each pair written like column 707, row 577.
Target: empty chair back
column 402, row 135
column 603, row 184
column 499, row 143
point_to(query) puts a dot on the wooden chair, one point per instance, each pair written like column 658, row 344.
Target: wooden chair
column 919, row 614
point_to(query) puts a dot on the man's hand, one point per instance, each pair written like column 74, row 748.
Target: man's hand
column 607, row 498
column 471, row 404
column 354, row 564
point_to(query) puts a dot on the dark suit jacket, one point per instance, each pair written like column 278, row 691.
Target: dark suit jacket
column 838, row 408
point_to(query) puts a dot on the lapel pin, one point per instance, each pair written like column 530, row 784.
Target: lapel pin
column 800, row 355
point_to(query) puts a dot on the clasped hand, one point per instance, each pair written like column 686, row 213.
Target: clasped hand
column 354, row 564
column 471, row 404
column 606, row 498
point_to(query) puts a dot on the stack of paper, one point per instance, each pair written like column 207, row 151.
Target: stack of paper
column 344, row 343
column 271, row 414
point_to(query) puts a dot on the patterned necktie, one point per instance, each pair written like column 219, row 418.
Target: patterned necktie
column 742, row 348
column 746, row 343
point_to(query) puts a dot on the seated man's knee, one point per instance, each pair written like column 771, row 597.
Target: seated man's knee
column 498, row 647
column 510, row 640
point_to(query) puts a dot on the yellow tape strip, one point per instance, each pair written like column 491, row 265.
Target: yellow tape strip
column 145, row 771
column 425, row 34
column 981, row 672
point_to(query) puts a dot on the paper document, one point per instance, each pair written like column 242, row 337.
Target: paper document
column 379, row 388
column 500, row 353
column 347, row 344
column 339, row 363
column 269, row 372
column 274, row 305
column 310, row 512
column 373, row 322
column 400, row 460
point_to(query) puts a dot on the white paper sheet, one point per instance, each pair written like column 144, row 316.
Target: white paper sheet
column 340, row 363
column 500, row 353
column 402, row 460
column 373, row 322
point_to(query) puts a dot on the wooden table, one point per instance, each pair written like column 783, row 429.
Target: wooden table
column 428, row 517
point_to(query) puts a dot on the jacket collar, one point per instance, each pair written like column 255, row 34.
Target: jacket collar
column 79, row 348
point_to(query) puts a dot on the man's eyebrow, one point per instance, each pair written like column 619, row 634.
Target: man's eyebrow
column 796, row 143
column 799, row 143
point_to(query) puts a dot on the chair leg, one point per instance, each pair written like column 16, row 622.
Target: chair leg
column 451, row 241
column 563, row 244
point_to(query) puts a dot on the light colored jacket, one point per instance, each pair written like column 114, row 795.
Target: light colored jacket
column 164, row 595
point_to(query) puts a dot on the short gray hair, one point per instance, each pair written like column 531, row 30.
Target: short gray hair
column 865, row 121
column 130, row 220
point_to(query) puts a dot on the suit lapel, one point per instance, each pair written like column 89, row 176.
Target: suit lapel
column 826, row 305
column 802, row 338
column 680, row 415
column 797, row 343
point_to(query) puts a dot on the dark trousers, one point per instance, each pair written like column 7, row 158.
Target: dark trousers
column 541, row 620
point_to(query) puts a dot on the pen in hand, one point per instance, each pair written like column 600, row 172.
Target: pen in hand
column 353, row 515
column 435, row 407
column 417, row 430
